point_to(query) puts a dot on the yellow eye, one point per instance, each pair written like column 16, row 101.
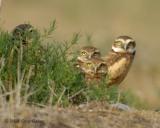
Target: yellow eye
column 83, row 53
column 118, row 43
column 129, row 45
column 89, row 64
column 31, row 30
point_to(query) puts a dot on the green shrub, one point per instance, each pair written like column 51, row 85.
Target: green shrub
column 43, row 74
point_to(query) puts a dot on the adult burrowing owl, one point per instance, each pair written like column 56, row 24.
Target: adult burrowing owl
column 24, row 33
column 120, row 59
column 94, row 69
column 86, row 53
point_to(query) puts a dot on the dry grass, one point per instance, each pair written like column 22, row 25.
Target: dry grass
column 99, row 115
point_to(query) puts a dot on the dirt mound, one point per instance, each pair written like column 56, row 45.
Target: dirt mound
column 84, row 116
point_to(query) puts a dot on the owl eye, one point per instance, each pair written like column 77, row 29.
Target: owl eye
column 83, row 53
column 96, row 54
column 31, row 30
column 89, row 64
column 131, row 45
column 118, row 43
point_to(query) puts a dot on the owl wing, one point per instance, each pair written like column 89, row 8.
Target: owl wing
column 118, row 66
column 112, row 57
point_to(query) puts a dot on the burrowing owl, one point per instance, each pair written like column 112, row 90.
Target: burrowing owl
column 24, row 33
column 94, row 69
column 120, row 59
column 86, row 53
column 28, row 36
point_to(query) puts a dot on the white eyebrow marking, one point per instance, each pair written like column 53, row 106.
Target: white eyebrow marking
column 117, row 49
column 121, row 40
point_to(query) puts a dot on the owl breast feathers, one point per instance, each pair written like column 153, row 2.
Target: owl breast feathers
column 118, row 66
column 95, row 69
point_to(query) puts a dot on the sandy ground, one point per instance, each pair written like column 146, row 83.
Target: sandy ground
column 94, row 115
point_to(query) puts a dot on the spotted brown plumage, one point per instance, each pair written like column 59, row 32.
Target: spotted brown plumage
column 24, row 33
column 88, row 52
column 94, row 69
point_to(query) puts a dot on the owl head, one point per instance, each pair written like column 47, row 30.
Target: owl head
column 124, row 44
column 88, row 52
column 94, row 66
column 24, row 33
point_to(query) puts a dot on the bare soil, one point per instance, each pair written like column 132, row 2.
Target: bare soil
column 92, row 115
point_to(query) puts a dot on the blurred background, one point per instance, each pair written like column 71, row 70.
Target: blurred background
column 103, row 21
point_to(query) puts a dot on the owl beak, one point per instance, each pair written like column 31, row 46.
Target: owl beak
column 95, row 70
column 125, row 46
column 90, row 56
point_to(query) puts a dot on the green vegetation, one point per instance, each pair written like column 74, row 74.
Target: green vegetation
column 42, row 73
